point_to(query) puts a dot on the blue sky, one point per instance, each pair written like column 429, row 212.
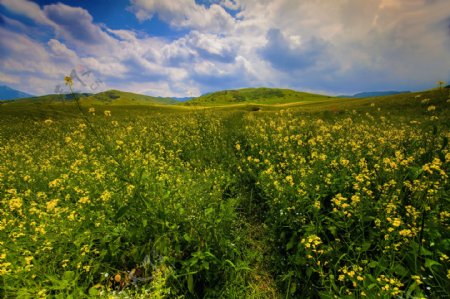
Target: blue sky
column 187, row 48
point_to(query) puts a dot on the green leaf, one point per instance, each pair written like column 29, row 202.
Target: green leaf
column 187, row 237
column 190, row 281
column 400, row 270
column 69, row 275
column 93, row 292
column 121, row 211
column 293, row 287
column 424, row 251
column 365, row 246
column 411, row 289
column 209, row 211
column 430, row 263
column 290, row 244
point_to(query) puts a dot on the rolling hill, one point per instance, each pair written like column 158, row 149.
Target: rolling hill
column 261, row 95
column 117, row 97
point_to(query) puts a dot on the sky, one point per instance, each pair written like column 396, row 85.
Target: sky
column 186, row 48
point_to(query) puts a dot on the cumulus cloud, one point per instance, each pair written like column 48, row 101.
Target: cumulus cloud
column 75, row 24
column 184, row 14
column 330, row 46
column 28, row 9
column 291, row 55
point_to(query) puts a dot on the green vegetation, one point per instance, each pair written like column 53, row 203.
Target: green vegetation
column 116, row 97
column 255, row 96
column 272, row 198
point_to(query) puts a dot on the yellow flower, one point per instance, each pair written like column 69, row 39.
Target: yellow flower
column 397, row 222
column 417, row 279
column 28, row 260
column 107, row 113
column 68, row 80
column 84, row 199
column 51, row 205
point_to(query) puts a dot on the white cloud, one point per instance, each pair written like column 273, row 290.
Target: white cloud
column 184, row 14
column 9, row 79
column 28, row 9
column 59, row 49
column 396, row 43
column 334, row 46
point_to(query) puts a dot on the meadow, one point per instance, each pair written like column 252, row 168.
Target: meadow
column 333, row 198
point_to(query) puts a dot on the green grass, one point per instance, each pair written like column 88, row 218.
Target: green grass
column 117, row 97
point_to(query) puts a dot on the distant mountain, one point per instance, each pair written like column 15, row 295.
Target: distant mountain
column 260, row 95
column 373, row 94
column 185, row 99
column 7, row 93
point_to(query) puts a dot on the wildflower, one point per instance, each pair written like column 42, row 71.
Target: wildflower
column 48, row 121
column 238, row 146
column 28, row 260
column 317, row 204
column 51, row 205
column 64, row 263
column 290, row 180
column 431, row 108
column 406, row 233
column 397, row 222
column 68, row 81
column 106, row 195
column 107, row 113
column 417, row 279
column 117, row 277
column 84, row 199
column 92, row 110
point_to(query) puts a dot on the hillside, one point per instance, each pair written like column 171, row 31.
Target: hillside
column 255, row 96
column 117, row 97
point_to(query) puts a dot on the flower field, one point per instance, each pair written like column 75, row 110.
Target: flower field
column 295, row 203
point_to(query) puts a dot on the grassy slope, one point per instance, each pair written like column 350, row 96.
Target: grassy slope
column 255, row 96
column 260, row 99
column 116, row 97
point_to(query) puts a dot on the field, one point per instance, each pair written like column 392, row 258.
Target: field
column 321, row 198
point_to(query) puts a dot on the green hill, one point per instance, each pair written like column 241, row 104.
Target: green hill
column 117, row 97
column 261, row 95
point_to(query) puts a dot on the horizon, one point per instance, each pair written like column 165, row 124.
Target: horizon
column 190, row 48
column 237, row 89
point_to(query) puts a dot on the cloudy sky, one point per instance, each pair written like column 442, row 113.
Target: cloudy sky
column 190, row 47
